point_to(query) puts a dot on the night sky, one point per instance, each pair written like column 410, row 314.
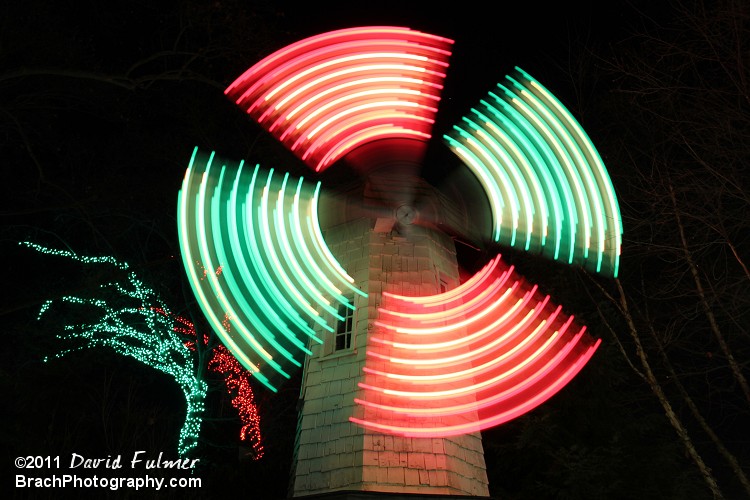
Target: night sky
column 101, row 107
column 488, row 42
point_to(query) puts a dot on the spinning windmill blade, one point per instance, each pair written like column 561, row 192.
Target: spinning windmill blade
column 271, row 273
column 384, row 190
column 366, row 98
column 549, row 191
column 329, row 95
column 471, row 358
column 325, row 95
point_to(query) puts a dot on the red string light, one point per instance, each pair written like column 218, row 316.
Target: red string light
column 236, row 379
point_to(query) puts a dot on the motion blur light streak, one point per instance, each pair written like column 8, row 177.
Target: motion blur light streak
column 487, row 351
column 404, row 421
column 386, row 79
column 275, row 267
column 530, row 154
column 468, row 375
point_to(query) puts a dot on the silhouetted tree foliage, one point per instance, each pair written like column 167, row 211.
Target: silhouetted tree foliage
column 674, row 123
column 100, row 108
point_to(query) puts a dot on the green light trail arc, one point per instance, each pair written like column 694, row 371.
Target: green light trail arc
column 548, row 189
column 278, row 279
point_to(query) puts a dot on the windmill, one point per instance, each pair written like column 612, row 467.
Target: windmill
column 357, row 283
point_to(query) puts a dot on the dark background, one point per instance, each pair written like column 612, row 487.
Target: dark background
column 101, row 105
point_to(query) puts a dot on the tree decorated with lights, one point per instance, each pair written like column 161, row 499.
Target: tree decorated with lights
column 137, row 323
column 237, row 381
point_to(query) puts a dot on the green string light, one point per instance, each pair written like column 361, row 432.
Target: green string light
column 137, row 324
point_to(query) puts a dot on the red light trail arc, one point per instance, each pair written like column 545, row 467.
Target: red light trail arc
column 325, row 95
column 468, row 359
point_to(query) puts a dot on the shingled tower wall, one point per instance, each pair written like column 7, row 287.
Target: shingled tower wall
column 333, row 454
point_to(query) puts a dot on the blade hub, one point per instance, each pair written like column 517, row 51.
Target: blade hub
column 406, row 214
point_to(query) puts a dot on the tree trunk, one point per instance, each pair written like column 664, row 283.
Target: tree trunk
column 656, row 388
column 733, row 365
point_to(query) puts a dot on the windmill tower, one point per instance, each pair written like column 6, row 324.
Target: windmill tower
column 383, row 233
column 403, row 362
